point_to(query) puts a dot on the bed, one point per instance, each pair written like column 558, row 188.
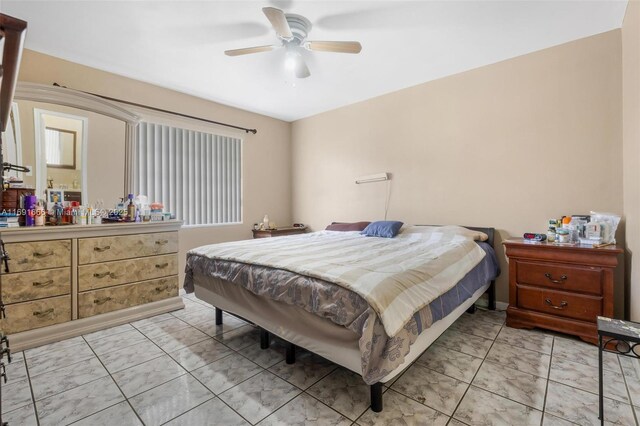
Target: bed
column 345, row 296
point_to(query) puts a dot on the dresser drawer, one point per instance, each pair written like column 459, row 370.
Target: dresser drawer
column 38, row 255
column 560, row 277
column 559, row 303
column 23, row 286
column 104, row 249
column 36, row 314
column 114, row 298
column 98, row 275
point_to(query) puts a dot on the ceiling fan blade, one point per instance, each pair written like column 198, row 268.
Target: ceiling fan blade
column 301, row 70
column 334, row 46
column 248, row 50
column 278, row 21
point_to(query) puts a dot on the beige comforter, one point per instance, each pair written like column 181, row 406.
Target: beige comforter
column 396, row 276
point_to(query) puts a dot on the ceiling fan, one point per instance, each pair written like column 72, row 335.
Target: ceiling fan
column 292, row 30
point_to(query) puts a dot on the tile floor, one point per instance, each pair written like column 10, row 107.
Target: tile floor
column 180, row 369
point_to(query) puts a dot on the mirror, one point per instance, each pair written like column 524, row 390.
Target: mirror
column 74, row 143
column 60, row 142
column 60, row 145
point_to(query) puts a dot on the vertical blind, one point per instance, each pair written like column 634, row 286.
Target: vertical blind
column 196, row 175
column 52, row 145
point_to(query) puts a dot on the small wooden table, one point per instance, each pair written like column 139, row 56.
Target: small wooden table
column 278, row 232
column 620, row 337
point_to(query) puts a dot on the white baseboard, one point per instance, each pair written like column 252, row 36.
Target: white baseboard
column 55, row 333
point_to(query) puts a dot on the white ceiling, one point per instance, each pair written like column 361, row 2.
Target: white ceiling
column 180, row 44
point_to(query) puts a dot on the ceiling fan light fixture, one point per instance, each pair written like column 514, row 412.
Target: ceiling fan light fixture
column 291, row 61
column 292, row 30
column 294, row 63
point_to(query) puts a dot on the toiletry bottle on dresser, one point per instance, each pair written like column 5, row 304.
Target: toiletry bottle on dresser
column 57, row 211
column 82, row 215
column 131, row 209
column 30, row 209
column 40, row 213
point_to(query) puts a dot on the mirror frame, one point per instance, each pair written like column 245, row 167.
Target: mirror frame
column 72, row 98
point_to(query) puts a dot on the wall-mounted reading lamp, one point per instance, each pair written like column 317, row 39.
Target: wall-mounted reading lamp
column 378, row 177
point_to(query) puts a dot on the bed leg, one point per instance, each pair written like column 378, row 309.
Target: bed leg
column 492, row 296
column 472, row 309
column 264, row 339
column 291, row 353
column 376, row 397
column 218, row 316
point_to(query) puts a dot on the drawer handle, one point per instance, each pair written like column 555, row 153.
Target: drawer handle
column 161, row 289
column 38, row 254
column 162, row 242
column 562, row 278
column 101, row 275
column 101, row 249
column 102, row 301
column 42, row 283
column 105, row 274
column 162, row 265
column 563, row 304
column 41, row 314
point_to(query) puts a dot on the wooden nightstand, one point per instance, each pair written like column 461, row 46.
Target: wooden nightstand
column 560, row 287
column 267, row 233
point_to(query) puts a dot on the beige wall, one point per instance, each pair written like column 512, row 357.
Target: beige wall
column 508, row 145
column 267, row 173
column 631, row 149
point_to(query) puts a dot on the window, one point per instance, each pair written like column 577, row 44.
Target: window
column 196, row 175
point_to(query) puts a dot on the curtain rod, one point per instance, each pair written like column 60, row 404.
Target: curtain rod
column 254, row 131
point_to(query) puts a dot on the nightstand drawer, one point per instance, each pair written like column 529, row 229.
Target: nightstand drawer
column 560, row 276
column 559, row 303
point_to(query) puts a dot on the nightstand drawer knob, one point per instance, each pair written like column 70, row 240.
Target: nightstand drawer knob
column 563, row 304
column 562, row 278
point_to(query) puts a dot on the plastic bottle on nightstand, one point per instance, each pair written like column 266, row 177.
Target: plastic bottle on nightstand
column 265, row 222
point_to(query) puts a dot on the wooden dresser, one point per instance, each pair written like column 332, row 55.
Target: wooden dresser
column 560, row 287
column 267, row 233
column 70, row 280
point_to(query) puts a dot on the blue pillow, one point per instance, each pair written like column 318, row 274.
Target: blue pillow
column 382, row 228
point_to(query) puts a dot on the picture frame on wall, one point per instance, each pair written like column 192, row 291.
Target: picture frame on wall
column 51, row 193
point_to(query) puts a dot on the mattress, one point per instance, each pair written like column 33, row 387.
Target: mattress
column 380, row 354
column 395, row 276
